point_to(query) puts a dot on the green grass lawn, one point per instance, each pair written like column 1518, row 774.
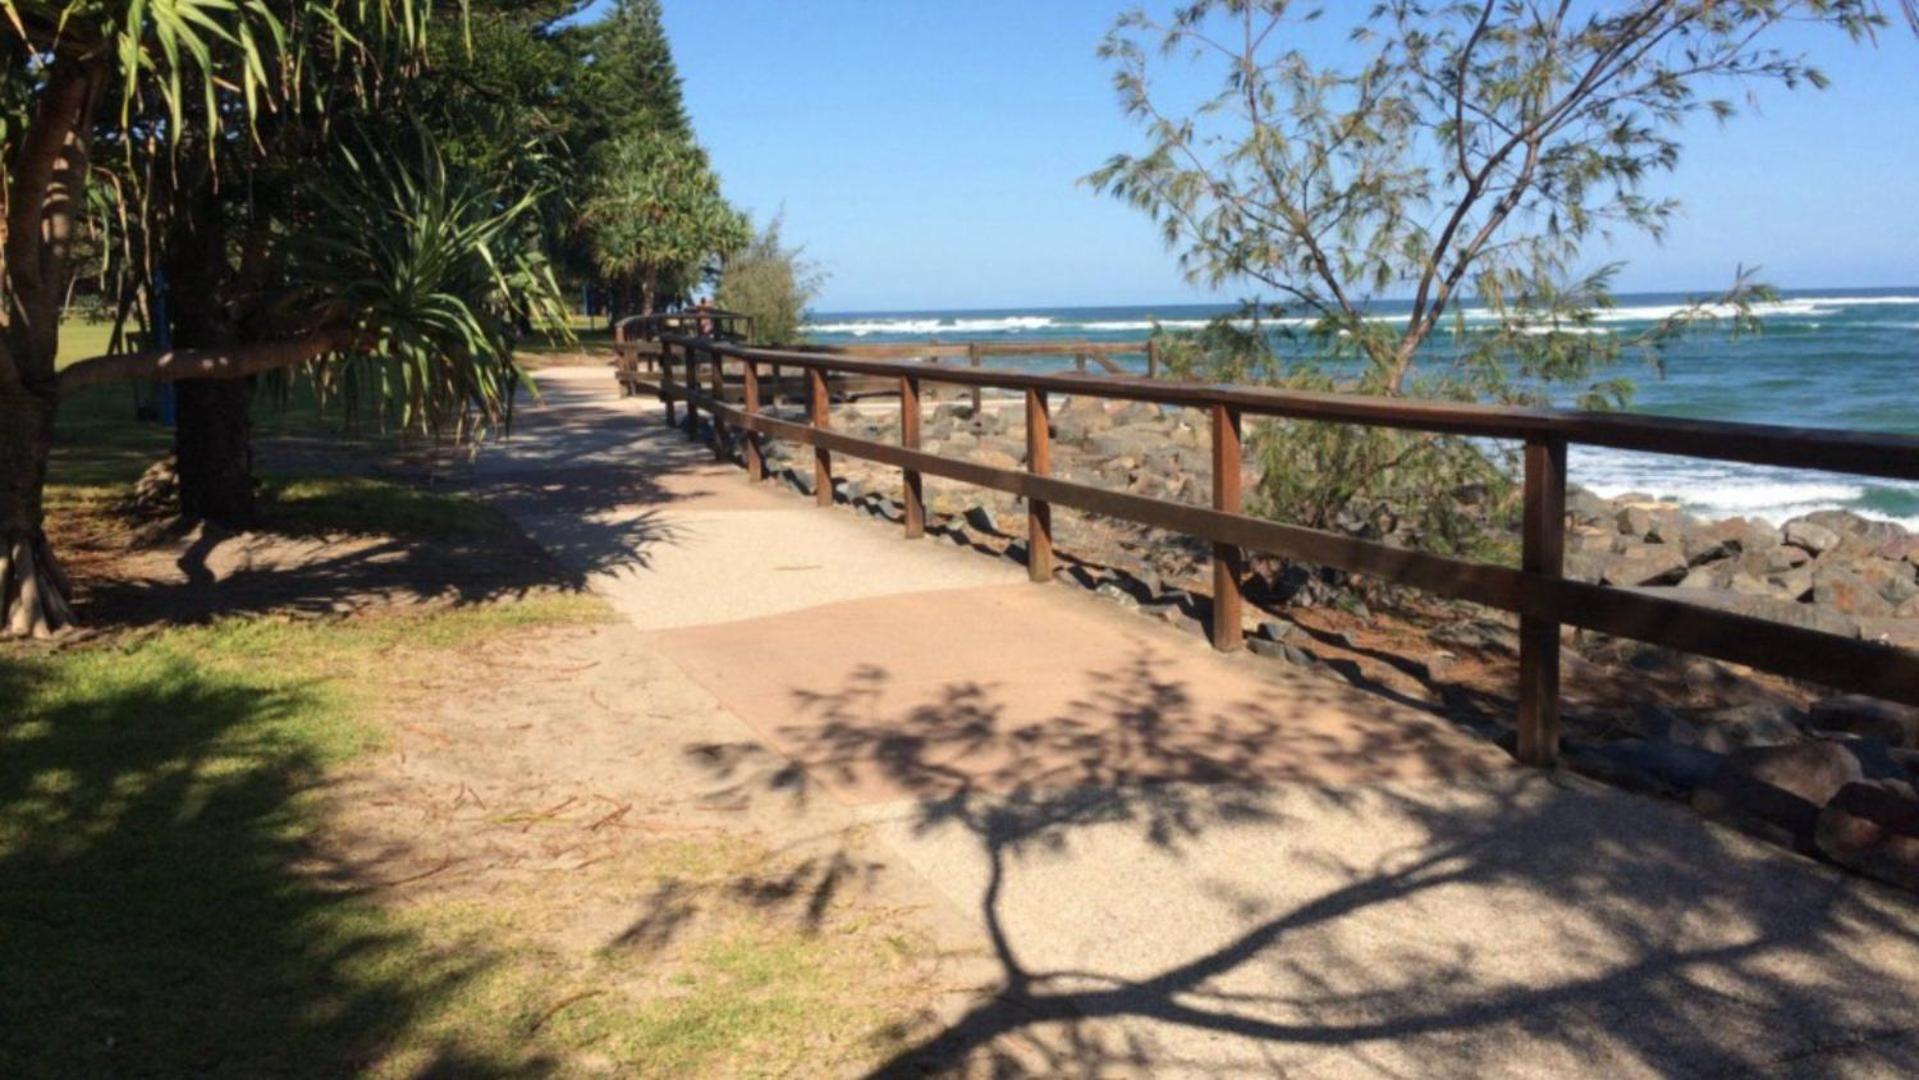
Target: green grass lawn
column 82, row 338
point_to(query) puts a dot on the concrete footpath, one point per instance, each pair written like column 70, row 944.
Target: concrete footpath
column 1185, row 863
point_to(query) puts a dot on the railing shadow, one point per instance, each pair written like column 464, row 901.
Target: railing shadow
column 1475, row 921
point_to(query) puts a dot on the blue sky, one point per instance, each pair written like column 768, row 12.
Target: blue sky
column 927, row 154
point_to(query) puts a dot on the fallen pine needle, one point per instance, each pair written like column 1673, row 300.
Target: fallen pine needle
column 563, row 1003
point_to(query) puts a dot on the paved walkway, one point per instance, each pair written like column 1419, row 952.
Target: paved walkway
column 1186, row 863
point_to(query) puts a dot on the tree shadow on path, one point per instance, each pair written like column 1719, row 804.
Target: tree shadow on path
column 1170, row 887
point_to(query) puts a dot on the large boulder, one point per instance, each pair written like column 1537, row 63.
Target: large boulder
column 1900, row 633
column 1898, row 582
column 1080, row 419
column 1743, row 534
column 1738, row 727
column 959, row 442
column 1125, row 442
column 1795, row 585
column 1847, row 523
column 1655, row 523
column 1651, row 766
column 1589, row 566
column 1872, row 826
column 1809, row 616
column 1766, row 562
column 1808, row 535
column 1844, row 590
column 1870, row 717
column 1778, row 791
column 1646, row 564
column 1903, row 547
column 1587, row 508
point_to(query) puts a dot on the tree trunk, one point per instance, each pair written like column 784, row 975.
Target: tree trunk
column 33, row 590
column 649, row 292
column 213, row 449
column 213, row 418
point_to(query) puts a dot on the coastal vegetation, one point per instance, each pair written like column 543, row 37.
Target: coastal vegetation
column 772, row 283
column 375, row 201
column 1467, row 151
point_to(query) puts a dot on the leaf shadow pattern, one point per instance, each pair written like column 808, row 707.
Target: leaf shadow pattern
column 1327, row 915
column 163, row 906
column 255, row 573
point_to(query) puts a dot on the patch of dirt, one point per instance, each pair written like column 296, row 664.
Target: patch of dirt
column 131, row 572
column 577, row 787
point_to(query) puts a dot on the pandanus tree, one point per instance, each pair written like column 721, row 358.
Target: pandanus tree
column 655, row 219
column 401, row 272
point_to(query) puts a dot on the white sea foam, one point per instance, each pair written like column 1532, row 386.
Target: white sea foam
column 1862, row 301
column 1125, row 326
column 1716, row 489
column 933, row 325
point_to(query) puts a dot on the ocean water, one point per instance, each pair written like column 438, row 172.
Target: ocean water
column 1838, row 358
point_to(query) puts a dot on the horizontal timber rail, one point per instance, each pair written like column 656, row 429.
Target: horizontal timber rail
column 637, row 352
column 1537, row 592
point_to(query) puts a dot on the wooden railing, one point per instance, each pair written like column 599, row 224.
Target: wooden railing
column 1537, row 592
column 712, row 322
column 637, row 348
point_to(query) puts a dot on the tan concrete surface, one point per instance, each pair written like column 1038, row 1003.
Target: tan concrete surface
column 1016, row 687
column 1183, row 864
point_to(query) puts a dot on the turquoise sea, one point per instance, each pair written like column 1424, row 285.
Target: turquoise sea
column 1840, row 358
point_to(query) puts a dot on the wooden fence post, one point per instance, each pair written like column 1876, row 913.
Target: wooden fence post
column 750, row 392
column 622, row 360
column 1039, row 512
column 666, row 382
column 718, row 382
column 692, row 388
column 1228, row 634
column 972, row 360
column 1544, row 542
column 1152, row 359
column 912, row 495
column 819, row 412
column 1079, row 363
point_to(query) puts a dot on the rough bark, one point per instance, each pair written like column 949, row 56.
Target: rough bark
column 204, row 364
column 34, row 592
column 213, row 421
column 649, row 292
column 213, row 449
column 46, row 185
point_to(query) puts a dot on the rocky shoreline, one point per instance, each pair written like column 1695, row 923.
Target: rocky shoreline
column 1836, row 777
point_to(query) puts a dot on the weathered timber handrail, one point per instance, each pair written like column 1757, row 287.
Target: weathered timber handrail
column 649, row 327
column 1537, row 592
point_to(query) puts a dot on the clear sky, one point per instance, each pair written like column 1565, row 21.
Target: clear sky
column 927, row 153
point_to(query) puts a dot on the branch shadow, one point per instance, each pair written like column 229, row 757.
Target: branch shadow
column 214, row 574
column 1165, row 884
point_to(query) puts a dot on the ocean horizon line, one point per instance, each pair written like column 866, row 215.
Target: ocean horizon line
column 1836, row 293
